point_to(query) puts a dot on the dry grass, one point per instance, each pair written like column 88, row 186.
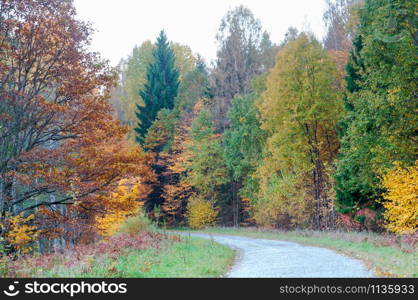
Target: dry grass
column 144, row 255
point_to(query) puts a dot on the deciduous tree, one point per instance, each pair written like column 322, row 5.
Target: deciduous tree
column 56, row 124
column 244, row 52
column 243, row 143
column 299, row 110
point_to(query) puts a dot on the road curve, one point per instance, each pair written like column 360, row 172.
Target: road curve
column 272, row 258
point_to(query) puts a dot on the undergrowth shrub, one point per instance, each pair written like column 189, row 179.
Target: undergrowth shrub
column 401, row 199
column 201, row 213
column 21, row 234
column 137, row 224
column 84, row 255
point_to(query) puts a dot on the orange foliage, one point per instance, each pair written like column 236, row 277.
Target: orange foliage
column 345, row 221
column 60, row 144
column 177, row 191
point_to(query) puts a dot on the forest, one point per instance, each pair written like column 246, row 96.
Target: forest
column 303, row 133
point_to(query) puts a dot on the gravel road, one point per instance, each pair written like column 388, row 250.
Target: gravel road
column 271, row 258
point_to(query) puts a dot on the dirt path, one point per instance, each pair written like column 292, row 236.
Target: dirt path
column 271, row 258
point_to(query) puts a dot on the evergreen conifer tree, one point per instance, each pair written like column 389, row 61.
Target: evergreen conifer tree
column 380, row 123
column 161, row 88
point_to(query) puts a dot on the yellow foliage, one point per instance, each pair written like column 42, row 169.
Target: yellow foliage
column 109, row 223
column 401, row 199
column 299, row 110
column 200, row 213
column 21, row 234
column 120, row 204
column 280, row 196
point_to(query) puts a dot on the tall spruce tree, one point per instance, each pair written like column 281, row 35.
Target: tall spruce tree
column 347, row 197
column 161, row 88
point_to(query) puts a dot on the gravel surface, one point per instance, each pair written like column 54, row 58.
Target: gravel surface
column 271, row 258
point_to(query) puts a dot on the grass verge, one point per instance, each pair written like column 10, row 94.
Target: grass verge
column 386, row 256
column 190, row 258
column 140, row 256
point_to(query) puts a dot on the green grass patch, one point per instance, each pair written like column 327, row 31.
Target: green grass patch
column 385, row 257
column 189, row 257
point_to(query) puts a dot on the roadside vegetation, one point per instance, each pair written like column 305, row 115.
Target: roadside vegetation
column 387, row 255
column 134, row 251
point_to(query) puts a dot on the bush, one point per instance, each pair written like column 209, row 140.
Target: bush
column 346, row 222
column 21, row 234
column 136, row 224
column 120, row 205
column 401, row 199
column 200, row 213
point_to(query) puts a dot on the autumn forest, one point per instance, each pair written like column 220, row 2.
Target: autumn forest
column 298, row 134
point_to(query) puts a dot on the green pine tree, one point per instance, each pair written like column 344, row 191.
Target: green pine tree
column 161, row 88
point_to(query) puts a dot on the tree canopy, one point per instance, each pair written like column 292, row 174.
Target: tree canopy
column 161, row 87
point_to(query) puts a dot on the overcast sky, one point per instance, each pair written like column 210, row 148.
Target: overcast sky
column 122, row 24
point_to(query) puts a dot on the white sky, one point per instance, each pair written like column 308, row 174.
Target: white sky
column 122, row 24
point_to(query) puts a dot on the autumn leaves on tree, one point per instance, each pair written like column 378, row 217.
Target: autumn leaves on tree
column 299, row 112
column 284, row 141
column 61, row 151
column 299, row 134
